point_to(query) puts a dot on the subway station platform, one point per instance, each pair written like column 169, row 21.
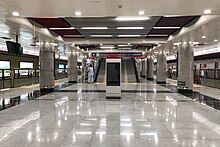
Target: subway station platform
column 148, row 114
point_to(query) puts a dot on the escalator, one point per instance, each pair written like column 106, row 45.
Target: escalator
column 129, row 71
column 100, row 75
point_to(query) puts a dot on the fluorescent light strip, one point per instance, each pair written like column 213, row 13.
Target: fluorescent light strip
column 94, row 28
column 158, row 35
column 123, row 45
column 166, row 27
column 120, row 18
column 106, row 47
column 72, row 35
column 71, row 28
column 130, row 28
column 100, row 35
column 129, row 35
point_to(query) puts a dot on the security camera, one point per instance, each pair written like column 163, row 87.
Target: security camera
column 119, row 6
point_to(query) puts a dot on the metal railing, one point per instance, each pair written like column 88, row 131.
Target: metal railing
column 212, row 74
column 10, row 77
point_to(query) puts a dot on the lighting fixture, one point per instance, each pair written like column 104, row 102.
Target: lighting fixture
column 87, row 40
column 141, row 13
column 94, row 28
column 166, row 27
column 157, row 35
column 130, row 28
column 15, row 13
column 122, row 18
column 106, row 47
column 123, row 45
column 195, row 42
column 129, row 35
column 101, row 44
column 72, row 35
column 203, row 37
column 100, row 35
column 71, row 28
column 215, row 40
column 78, row 13
column 207, row 11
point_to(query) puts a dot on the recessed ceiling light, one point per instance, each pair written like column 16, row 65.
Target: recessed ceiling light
column 100, row 35
column 129, row 35
column 94, row 28
column 129, row 43
column 78, row 13
column 129, row 28
column 207, row 11
column 15, row 13
column 122, row 18
column 101, row 44
column 215, row 40
column 166, row 27
column 205, row 43
column 71, row 28
column 203, row 37
column 87, row 40
column 141, row 13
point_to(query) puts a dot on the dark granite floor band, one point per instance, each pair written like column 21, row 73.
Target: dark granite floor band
column 196, row 96
column 123, row 91
column 10, row 102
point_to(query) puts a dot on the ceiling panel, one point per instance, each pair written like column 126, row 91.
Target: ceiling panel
column 174, row 21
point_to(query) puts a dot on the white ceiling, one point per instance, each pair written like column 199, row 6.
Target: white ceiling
column 54, row 8
column 108, row 7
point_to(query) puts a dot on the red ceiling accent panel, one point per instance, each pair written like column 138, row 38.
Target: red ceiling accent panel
column 67, row 32
column 162, row 31
column 174, row 21
column 52, row 22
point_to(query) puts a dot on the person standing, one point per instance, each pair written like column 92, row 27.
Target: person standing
column 90, row 74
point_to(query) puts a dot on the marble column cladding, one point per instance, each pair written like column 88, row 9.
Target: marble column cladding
column 46, row 66
column 161, row 66
column 72, row 65
column 143, row 73
column 185, row 64
column 150, row 67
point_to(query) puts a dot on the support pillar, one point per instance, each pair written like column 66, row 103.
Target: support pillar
column 150, row 68
column 47, row 75
column 143, row 71
column 72, row 65
column 161, row 67
column 185, row 67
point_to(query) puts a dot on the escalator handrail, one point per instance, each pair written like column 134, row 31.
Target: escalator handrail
column 97, row 71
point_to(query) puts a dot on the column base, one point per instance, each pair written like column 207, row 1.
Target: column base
column 184, row 91
column 112, row 97
column 161, row 82
column 72, row 81
column 47, row 90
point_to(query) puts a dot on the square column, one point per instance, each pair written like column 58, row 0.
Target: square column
column 161, row 67
column 150, row 67
column 46, row 58
column 185, row 67
column 72, row 65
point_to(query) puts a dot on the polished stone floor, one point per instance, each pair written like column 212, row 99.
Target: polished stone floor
column 79, row 115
